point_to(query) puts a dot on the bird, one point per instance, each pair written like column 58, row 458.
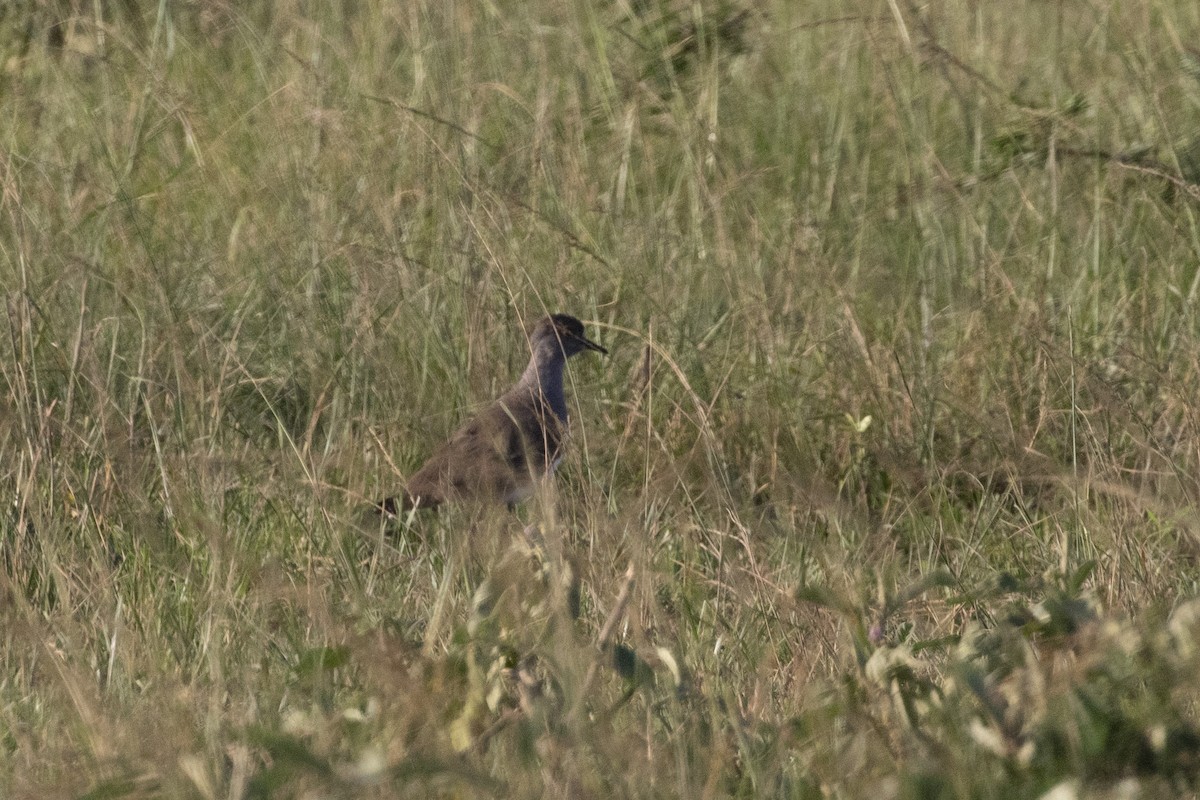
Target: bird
column 500, row 454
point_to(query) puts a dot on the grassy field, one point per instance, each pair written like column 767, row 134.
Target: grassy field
column 888, row 488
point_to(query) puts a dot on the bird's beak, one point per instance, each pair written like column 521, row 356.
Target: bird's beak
column 590, row 345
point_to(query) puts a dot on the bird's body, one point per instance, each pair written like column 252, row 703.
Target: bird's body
column 499, row 455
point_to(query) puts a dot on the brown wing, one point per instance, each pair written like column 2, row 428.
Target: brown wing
column 483, row 460
column 493, row 458
column 541, row 436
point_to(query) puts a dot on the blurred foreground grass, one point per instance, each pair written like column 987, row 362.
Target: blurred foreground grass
column 887, row 489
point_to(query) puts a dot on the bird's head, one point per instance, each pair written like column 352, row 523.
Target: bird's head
column 565, row 332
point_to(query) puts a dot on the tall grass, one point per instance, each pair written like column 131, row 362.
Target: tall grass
column 887, row 488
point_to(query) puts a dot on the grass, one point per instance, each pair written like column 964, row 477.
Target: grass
column 887, row 489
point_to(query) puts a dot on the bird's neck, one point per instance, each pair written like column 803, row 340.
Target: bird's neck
column 544, row 377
